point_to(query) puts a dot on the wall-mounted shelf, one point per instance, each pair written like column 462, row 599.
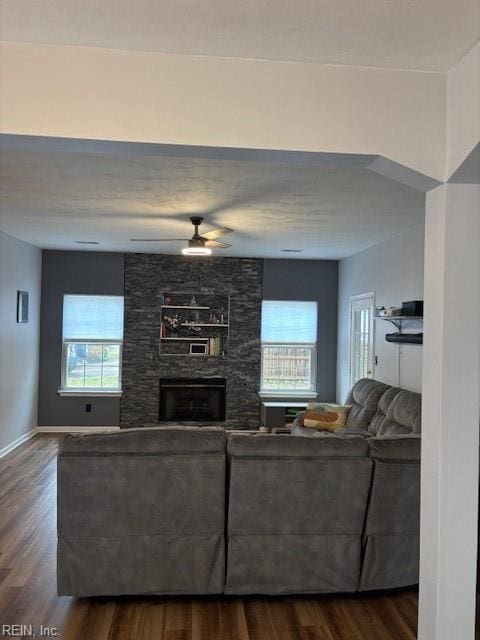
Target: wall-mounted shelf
column 182, row 306
column 203, row 324
column 186, row 339
column 399, row 321
column 401, row 336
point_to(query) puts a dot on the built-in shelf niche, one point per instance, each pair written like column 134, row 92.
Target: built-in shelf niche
column 194, row 324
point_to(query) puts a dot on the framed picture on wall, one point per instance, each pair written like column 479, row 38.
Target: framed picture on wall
column 22, row 306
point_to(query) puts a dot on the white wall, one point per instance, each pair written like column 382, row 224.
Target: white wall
column 394, row 271
column 450, row 415
column 20, row 270
column 463, row 109
column 104, row 94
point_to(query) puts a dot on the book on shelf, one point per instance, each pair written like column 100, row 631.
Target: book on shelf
column 215, row 346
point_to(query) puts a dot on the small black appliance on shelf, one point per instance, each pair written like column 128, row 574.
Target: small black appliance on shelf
column 413, row 308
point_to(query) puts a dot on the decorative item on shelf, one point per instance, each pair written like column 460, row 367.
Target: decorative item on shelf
column 167, row 300
column 193, row 302
column 171, row 325
column 194, row 331
column 198, row 349
column 388, row 312
column 216, row 346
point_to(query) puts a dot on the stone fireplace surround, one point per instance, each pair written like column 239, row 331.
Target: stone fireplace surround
column 146, row 276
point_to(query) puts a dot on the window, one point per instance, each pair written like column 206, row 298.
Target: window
column 289, row 345
column 92, row 343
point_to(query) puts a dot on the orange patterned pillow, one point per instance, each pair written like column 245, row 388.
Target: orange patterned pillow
column 326, row 417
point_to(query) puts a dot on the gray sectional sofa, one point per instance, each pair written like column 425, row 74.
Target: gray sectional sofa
column 191, row 510
column 377, row 410
column 142, row 511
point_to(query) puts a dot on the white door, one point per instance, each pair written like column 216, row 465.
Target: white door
column 361, row 337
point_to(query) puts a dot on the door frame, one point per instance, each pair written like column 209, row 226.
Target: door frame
column 362, row 296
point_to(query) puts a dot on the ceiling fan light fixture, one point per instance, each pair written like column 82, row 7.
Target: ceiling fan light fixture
column 196, row 246
column 196, row 251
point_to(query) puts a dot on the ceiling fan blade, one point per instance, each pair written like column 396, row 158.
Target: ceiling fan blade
column 216, row 233
column 217, row 244
column 159, row 239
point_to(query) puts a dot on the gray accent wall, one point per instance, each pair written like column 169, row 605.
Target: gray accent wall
column 141, row 278
column 80, row 272
column 315, row 280
column 146, row 276
column 20, row 270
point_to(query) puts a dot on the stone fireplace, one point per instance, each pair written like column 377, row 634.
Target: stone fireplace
column 145, row 363
column 192, row 400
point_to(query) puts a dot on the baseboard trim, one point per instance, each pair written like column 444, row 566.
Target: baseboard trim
column 26, row 436
column 75, row 429
column 17, row 442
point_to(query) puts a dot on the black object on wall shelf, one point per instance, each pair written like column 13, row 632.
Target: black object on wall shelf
column 413, row 308
column 404, row 338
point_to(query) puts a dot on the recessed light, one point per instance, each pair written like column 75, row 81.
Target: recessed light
column 86, row 242
column 292, row 250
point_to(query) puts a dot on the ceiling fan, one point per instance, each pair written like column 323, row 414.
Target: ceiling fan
column 198, row 245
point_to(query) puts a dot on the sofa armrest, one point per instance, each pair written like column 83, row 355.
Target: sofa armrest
column 353, row 431
column 405, row 447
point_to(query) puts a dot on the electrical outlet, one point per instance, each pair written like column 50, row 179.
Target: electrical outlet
column 88, row 407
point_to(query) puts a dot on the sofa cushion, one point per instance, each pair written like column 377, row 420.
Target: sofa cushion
column 277, row 446
column 295, row 513
column 325, row 416
column 299, row 430
column 382, row 410
column 142, row 511
column 403, row 415
column 364, row 397
column 376, row 409
column 400, row 447
column 155, row 440
column 391, row 533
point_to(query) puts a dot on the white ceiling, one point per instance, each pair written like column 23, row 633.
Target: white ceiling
column 52, row 198
column 411, row 34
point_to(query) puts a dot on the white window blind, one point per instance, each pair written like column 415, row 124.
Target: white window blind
column 92, row 317
column 290, row 322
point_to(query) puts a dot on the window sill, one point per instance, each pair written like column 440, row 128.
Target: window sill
column 89, row 394
column 288, row 394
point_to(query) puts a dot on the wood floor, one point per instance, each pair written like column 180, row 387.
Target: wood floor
column 28, row 588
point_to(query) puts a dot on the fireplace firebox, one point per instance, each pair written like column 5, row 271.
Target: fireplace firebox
column 192, row 400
